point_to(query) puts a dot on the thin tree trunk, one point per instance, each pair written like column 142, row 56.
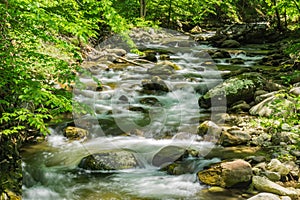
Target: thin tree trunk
column 278, row 21
column 170, row 10
column 297, row 6
column 142, row 8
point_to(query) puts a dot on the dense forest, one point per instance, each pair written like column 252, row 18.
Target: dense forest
column 44, row 42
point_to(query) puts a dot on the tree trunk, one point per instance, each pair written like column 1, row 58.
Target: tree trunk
column 143, row 8
column 297, row 6
column 278, row 22
column 169, row 13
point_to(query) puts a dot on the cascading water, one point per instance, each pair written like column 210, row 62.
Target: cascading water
column 163, row 119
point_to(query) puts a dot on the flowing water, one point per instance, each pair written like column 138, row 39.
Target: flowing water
column 123, row 116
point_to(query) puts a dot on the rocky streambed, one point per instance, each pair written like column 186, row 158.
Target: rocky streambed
column 181, row 121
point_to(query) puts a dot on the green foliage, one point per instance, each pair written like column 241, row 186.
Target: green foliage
column 40, row 45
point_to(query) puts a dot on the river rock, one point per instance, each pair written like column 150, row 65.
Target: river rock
column 234, row 137
column 115, row 160
column 227, row 174
column 241, row 87
column 295, row 91
column 265, row 196
column 75, row 133
column 230, row 44
column 240, row 107
column 188, row 166
column 237, row 61
column 265, row 185
column 168, row 155
column 269, row 107
column 220, row 54
column 276, row 166
column 153, row 85
column 272, row 176
column 209, row 128
column 163, row 69
column 118, row 52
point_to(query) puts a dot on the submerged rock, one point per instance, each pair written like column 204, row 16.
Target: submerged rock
column 115, row 160
column 227, row 174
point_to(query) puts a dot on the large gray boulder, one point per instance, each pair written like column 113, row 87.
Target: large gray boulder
column 114, row 160
column 227, row 174
column 232, row 90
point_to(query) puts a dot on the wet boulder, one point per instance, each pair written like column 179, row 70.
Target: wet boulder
column 232, row 90
column 167, row 155
column 236, row 173
column 153, row 85
column 237, row 61
column 114, row 160
column 164, row 68
column 188, row 166
column 220, row 54
column 75, row 133
column 230, row 44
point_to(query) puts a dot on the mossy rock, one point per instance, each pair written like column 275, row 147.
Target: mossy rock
column 227, row 174
column 115, row 160
column 232, row 90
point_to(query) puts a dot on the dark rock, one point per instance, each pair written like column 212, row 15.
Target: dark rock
column 237, row 61
column 230, row 44
column 155, row 84
column 150, row 56
column 239, row 107
column 220, row 54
